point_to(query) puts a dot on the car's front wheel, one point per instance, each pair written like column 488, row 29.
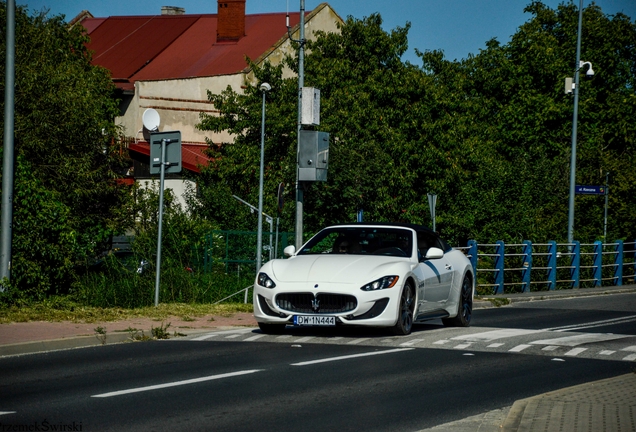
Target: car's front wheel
column 271, row 328
column 404, row 323
column 465, row 306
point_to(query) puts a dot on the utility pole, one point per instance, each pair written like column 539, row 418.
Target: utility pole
column 8, row 150
column 301, row 83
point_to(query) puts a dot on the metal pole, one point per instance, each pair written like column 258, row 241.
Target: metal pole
column 574, row 129
column 606, row 196
column 8, row 151
column 259, row 236
column 162, row 177
column 301, row 83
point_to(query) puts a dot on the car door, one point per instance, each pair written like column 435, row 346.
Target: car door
column 437, row 276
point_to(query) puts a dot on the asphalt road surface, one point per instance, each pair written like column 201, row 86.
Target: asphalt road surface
column 323, row 379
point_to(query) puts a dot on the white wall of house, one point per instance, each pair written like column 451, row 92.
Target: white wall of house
column 179, row 101
column 178, row 186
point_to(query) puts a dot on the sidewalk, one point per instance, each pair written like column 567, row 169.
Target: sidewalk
column 607, row 405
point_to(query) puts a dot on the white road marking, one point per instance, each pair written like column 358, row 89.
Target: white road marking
column 630, row 357
column 549, row 348
column 386, row 340
column 304, row 339
column 463, row 346
column 441, row 342
column 580, row 339
column 411, row 342
column 175, row 384
column 255, row 337
column 283, row 337
column 593, row 324
column 607, row 352
column 519, row 348
column 495, row 334
column 629, row 348
column 204, row 337
column 496, row 345
column 311, row 362
column 7, row 412
column 233, row 336
column 575, row 351
column 357, row 341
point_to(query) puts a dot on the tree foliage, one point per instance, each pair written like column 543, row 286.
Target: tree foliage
column 66, row 201
column 490, row 134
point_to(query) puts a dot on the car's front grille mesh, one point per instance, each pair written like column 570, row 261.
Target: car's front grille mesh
column 307, row 303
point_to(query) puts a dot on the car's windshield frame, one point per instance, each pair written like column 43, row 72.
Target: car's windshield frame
column 361, row 240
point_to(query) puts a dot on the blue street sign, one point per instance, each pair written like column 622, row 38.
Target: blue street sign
column 590, row 190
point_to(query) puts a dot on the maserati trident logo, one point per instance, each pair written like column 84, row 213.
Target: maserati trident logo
column 315, row 304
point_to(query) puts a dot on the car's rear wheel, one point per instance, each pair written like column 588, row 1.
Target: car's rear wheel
column 271, row 328
column 404, row 323
column 465, row 306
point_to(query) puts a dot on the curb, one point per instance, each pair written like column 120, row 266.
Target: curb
column 554, row 295
column 73, row 342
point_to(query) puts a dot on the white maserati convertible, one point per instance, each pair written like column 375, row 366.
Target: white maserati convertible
column 366, row 274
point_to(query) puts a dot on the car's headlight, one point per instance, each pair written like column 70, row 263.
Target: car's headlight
column 265, row 281
column 382, row 283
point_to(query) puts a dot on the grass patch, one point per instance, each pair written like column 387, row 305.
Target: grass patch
column 65, row 310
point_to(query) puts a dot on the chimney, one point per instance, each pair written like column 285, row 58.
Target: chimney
column 231, row 20
column 172, row 10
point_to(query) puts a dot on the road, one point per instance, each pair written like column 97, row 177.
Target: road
column 331, row 379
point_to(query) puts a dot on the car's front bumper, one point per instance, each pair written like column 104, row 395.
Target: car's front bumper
column 371, row 308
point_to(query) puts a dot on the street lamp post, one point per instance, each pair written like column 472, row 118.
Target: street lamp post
column 590, row 73
column 265, row 87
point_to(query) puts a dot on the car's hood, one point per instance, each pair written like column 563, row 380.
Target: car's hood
column 333, row 268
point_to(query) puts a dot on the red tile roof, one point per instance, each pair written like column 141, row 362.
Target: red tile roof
column 178, row 46
column 192, row 155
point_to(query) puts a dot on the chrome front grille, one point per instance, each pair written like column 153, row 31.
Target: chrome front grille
column 307, row 303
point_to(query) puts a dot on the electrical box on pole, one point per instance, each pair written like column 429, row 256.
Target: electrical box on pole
column 173, row 152
column 310, row 98
column 313, row 158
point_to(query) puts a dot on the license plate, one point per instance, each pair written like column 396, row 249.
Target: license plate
column 312, row 320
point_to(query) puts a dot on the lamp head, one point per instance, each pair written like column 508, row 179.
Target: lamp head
column 265, row 87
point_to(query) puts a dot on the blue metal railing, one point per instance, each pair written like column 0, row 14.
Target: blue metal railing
column 529, row 267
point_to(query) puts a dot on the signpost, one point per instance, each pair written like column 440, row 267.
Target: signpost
column 165, row 157
column 432, row 201
column 590, row 190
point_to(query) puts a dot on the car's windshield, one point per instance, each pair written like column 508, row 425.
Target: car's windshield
column 361, row 241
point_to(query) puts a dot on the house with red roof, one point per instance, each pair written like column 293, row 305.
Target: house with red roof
column 168, row 62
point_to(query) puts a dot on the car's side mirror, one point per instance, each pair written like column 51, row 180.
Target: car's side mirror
column 434, row 253
column 289, row 250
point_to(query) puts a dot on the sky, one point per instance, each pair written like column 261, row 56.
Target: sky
column 457, row 27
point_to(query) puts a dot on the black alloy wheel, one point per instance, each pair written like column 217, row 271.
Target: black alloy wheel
column 404, row 323
column 465, row 306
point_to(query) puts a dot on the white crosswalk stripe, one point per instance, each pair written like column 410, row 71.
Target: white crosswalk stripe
column 612, row 347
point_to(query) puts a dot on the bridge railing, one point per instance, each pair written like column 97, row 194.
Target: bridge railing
column 525, row 267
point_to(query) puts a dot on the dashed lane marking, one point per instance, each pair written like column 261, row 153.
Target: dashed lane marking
column 255, row 337
column 463, row 346
column 575, row 351
column 357, row 341
column 519, row 348
column 175, row 383
column 373, row 353
column 411, row 342
column 572, row 341
column 606, row 352
column 631, row 357
column 204, row 337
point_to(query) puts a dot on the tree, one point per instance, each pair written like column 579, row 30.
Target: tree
column 489, row 134
column 67, row 203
